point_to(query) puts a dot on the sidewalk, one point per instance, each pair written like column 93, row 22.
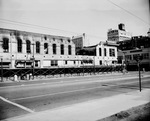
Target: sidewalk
column 91, row 110
column 135, row 73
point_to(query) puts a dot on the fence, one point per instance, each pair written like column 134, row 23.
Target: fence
column 8, row 74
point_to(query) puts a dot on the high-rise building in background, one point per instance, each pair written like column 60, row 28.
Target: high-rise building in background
column 148, row 33
column 79, row 42
column 120, row 34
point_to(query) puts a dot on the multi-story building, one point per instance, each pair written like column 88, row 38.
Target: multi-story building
column 20, row 49
column 148, row 33
column 104, row 53
column 79, row 42
column 119, row 34
column 130, row 49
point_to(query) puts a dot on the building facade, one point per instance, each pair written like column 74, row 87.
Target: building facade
column 128, row 58
column 138, row 46
column 79, row 42
column 104, row 53
column 119, row 34
column 20, row 49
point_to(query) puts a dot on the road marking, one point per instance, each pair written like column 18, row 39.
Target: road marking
column 15, row 104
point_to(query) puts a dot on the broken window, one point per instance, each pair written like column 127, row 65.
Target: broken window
column 46, row 48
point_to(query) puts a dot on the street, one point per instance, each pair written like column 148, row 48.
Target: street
column 33, row 96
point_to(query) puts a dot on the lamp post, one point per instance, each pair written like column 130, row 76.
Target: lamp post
column 124, row 62
column 138, row 60
column 1, row 69
column 33, row 60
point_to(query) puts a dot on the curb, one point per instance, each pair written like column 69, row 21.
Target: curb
column 139, row 113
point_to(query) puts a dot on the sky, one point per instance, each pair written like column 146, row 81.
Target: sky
column 75, row 17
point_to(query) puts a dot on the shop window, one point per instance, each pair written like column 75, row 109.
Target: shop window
column 54, row 63
column 66, row 62
column 36, row 63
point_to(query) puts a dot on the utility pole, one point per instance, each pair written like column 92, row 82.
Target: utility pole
column 33, row 60
column 139, row 59
column 1, row 69
column 139, row 76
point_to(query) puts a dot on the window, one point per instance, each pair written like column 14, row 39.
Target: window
column 45, row 37
column 61, row 40
column 66, row 62
column 112, row 52
column 100, row 52
column 37, row 47
column 54, row 62
column 69, row 49
column 36, row 63
column 28, row 46
column 19, row 45
column 128, row 57
column 54, row 48
column 100, row 62
column 145, row 55
column 5, row 44
column 46, row 48
column 105, row 53
column 135, row 56
column 62, row 49
column 69, row 40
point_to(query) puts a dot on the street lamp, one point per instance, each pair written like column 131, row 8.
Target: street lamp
column 138, row 59
column 33, row 61
column 124, row 62
column 1, row 68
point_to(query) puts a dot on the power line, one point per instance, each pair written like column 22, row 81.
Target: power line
column 37, row 26
column 129, row 12
column 43, row 27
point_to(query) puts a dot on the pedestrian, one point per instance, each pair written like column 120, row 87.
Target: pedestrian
column 15, row 78
column 30, row 75
column 143, row 70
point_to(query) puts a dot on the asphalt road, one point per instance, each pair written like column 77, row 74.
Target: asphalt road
column 47, row 94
